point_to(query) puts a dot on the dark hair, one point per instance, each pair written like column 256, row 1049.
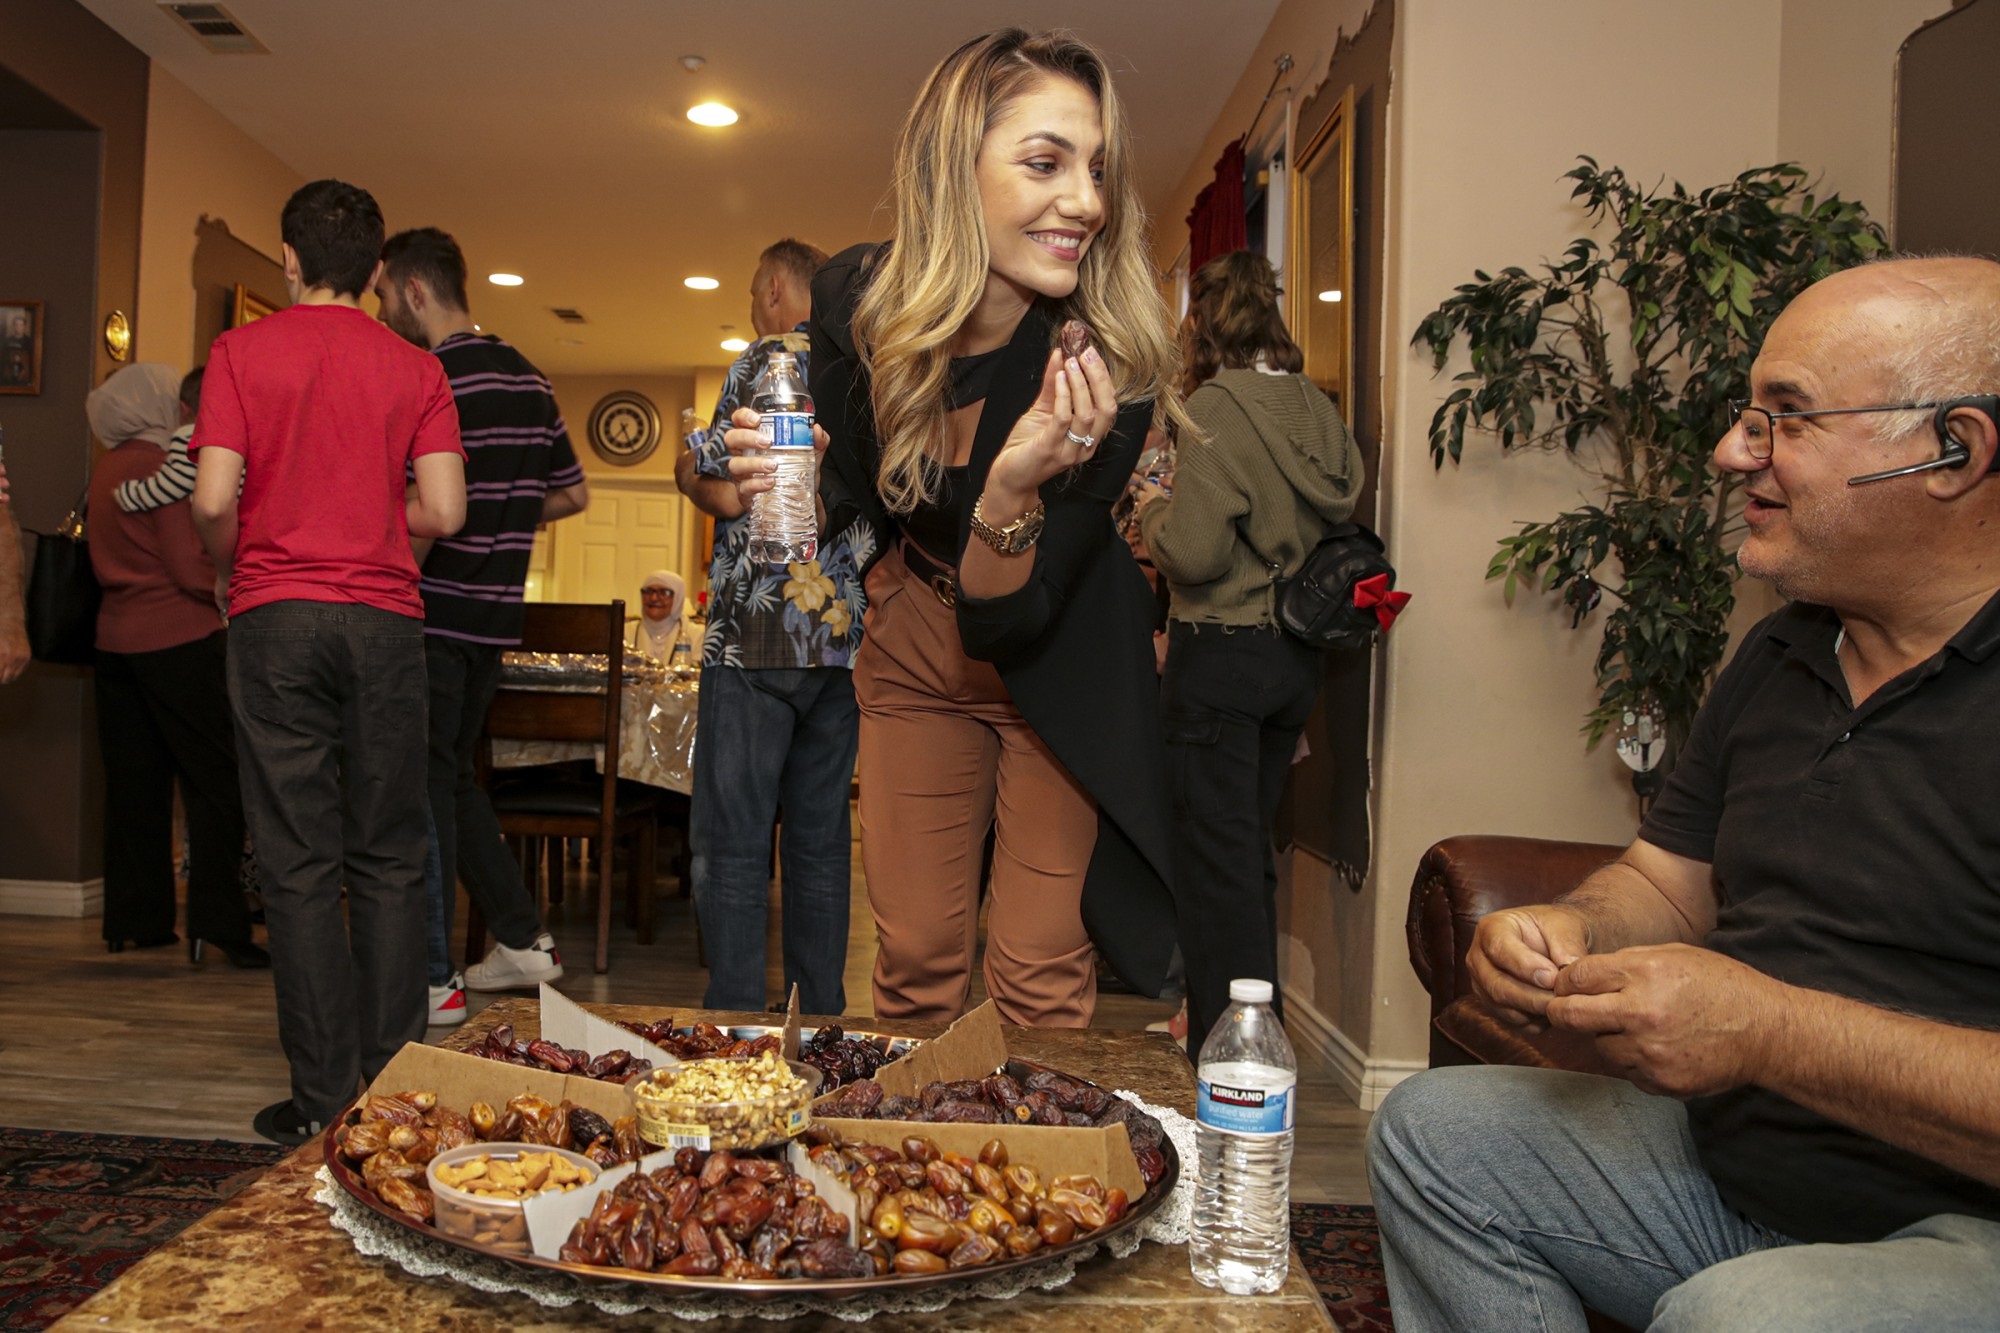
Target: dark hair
column 795, row 259
column 433, row 258
column 1233, row 319
column 336, row 231
column 191, row 389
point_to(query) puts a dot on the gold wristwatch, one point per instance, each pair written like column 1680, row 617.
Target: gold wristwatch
column 1016, row 537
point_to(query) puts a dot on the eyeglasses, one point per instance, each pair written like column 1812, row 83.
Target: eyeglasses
column 1760, row 426
column 657, row 592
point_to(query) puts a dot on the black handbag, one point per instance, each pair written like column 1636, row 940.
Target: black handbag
column 1344, row 592
column 63, row 595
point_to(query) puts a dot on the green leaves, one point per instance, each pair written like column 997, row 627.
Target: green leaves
column 1700, row 277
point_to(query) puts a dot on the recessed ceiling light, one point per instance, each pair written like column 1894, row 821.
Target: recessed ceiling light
column 713, row 114
column 692, row 63
column 1329, row 296
column 505, row 279
column 701, row 284
column 735, row 344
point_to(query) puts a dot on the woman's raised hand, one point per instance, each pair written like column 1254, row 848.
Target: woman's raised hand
column 750, row 464
column 1074, row 412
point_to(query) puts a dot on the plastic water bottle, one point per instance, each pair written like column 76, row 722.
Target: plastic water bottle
column 784, row 522
column 1246, row 1077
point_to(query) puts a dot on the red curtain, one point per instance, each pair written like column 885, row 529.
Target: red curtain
column 1215, row 223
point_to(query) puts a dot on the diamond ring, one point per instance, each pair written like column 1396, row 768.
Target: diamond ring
column 1081, row 441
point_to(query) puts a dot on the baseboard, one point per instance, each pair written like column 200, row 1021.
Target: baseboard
column 52, row 897
column 1366, row 1081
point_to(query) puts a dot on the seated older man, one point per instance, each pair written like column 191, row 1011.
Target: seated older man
column 1797, row 964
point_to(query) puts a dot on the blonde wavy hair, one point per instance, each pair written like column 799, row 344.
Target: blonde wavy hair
column 933, row 272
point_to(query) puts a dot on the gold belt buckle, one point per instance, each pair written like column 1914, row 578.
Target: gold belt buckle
column 946, row 590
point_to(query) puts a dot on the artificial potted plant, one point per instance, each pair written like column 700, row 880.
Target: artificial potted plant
column 1624, row 354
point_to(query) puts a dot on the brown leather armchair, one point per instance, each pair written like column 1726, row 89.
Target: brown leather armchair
column 1458, row 881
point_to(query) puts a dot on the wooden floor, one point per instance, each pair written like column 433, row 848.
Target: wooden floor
column 145, row 1043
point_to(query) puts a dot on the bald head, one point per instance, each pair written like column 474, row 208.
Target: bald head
column 1923, row 330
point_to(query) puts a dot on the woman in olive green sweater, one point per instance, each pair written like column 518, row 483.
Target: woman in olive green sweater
column 1274, row 470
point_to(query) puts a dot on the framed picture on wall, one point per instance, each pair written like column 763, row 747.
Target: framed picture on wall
column 1319, row 270
column 20, row 346
column 248, row 306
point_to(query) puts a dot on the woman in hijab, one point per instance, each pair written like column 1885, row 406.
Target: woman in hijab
column 661, row 599
column 162, row 700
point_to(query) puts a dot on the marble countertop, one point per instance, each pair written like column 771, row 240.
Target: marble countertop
column 269, row 1258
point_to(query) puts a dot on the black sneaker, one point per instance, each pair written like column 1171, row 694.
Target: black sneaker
column 283, row 1122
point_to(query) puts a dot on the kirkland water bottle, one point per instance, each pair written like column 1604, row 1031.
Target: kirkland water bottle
column 784, row 523
column 1246, row 1077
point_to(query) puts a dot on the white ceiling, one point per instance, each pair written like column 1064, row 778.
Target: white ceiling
column 550, row 137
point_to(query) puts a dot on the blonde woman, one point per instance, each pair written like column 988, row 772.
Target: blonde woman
column 1005, row 677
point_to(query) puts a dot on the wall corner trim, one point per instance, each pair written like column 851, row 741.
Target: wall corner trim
column 1365, row 1080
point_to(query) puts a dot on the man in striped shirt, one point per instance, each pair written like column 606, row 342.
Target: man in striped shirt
column 520, row 472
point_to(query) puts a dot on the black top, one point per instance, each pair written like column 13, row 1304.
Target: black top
column 1073, row 645
column 1855, row 853
column 934, row 525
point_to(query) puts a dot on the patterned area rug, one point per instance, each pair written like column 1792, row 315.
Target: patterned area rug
column 76, row 1210
column 1340, row 1248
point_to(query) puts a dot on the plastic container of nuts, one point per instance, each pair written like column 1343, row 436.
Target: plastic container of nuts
column 739, row 1103
column 477, row 1190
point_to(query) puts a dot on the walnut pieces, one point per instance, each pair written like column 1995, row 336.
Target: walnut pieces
column 722, row 1102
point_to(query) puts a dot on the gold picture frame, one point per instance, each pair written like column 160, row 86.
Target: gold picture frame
column 1319, row 269
column 246, row 307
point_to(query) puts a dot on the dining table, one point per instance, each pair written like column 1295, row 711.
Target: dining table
column 271, row 1257
column 657, row 708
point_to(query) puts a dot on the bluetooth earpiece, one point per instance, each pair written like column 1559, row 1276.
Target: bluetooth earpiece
column 1951, row 452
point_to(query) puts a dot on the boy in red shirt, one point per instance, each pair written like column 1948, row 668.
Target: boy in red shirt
column 322, row 414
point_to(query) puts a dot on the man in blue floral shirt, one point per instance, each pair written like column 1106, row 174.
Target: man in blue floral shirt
column 778, row 720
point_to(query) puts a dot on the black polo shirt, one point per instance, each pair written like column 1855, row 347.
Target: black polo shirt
column 1856, row 851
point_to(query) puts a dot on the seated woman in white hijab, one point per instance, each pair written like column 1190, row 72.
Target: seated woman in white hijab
column 662, row 597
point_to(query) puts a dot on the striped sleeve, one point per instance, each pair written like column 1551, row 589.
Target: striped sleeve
column 174, row 481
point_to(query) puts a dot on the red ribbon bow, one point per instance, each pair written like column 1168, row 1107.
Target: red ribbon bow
column 1376, row 592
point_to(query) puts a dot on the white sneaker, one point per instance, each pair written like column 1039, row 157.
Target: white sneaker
column 512, row 969
column 448, row 1002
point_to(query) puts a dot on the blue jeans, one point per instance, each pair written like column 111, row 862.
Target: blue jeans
column 768, row 741
column 1512, row 1198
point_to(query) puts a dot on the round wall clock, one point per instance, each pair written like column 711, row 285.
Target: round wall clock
column 624, row 427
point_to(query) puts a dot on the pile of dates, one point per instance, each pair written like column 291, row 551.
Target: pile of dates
column 843, row 1059
column 717, row 1214
column 501, row 1044
column 1014, row 1096
column 930, row 1211
column 703, row 1040
column 396, row 1136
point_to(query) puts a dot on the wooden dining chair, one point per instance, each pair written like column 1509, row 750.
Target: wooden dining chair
column 542, row 805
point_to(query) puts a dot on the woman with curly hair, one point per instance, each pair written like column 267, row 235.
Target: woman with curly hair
column 1005, row 677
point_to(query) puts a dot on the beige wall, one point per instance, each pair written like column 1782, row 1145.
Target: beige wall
column 196, row 163
column 1837, row 87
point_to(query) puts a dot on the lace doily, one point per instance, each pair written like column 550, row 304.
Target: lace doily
column 379, row 1238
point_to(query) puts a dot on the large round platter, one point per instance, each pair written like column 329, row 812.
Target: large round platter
column 834, row 1288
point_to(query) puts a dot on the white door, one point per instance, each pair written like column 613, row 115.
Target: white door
column 631, row 528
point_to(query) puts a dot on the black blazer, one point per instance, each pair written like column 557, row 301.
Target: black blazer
column 1073, row 645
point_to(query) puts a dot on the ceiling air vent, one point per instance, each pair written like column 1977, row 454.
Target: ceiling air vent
column 567, row 314
column 216, row 28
